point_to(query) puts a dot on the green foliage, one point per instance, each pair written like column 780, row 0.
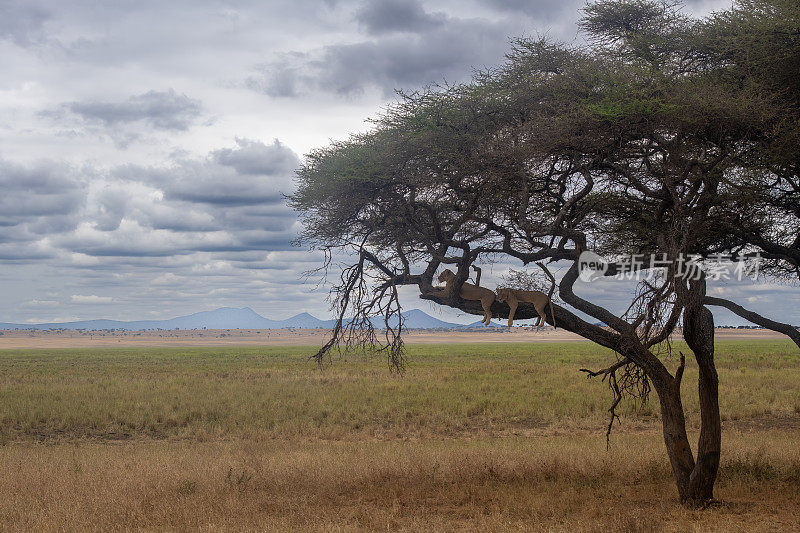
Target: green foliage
column 615, row 109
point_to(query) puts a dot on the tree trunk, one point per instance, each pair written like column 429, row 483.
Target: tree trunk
column 698, row 331
column 675, row 438
column 695, row 481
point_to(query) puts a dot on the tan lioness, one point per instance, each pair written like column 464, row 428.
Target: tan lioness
column 514, row 296
column 469, row 292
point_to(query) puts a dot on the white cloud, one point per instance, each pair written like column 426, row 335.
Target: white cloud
column 166, row 280
column 54, row 319
column 91, row 299
column 41, row 303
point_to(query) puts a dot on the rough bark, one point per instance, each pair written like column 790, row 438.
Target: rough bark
column 676, row 440
column 698, row 332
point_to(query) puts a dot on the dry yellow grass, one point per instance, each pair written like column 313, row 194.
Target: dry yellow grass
column 491, row 437
column 568, row 483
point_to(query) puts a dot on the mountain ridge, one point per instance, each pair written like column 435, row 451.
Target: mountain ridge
column 233, row 318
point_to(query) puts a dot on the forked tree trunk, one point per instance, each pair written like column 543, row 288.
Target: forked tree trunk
column 675, row 438
column 695, row 479
column 698, row 332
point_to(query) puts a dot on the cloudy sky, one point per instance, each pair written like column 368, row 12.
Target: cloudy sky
column 145, row 145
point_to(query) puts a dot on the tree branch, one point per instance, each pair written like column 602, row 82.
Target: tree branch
column 611, row 373
column 569, row 296
column 755, row 318
column 605, row 371
column 564, row 318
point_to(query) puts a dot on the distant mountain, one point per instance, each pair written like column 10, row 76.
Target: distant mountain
column 222, row 318
column 232, row 318
column 305, row 321
column 417, row 319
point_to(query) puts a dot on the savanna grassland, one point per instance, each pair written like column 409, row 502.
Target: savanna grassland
column 490, row 436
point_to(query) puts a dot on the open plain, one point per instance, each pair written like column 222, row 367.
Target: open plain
column 496, row 436
column 17, row 339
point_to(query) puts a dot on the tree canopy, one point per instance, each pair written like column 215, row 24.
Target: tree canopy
column 665, row 136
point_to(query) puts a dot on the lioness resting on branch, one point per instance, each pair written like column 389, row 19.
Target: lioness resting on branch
column 538, row 299
column 469, row 292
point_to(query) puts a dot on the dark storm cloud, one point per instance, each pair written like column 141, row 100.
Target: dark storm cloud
column 389, row 62
column 161, row 110
column 42, row 197
column 141, row 243
column 42, row 177
column 287, row 76
column 536, row 9
column 253, row 158
column 23, row 253
column 230, row 201
column 116, row 200
column 37, row 202
column 22, row 21
column 274, row 217
column 253, row 173
column 384, row 16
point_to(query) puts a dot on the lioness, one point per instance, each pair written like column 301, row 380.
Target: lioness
column 514, row 296
column 470, row 292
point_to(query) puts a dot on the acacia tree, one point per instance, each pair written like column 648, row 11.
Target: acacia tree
column 638, row 144
column 756, row 47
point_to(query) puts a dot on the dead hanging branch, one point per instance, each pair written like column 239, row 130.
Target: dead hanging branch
column 611, row 374
column 631, row 382
column 654, row 312
column 360, row 297
column 350, row 277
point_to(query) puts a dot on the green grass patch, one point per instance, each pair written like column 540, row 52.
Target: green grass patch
column 277, row 392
